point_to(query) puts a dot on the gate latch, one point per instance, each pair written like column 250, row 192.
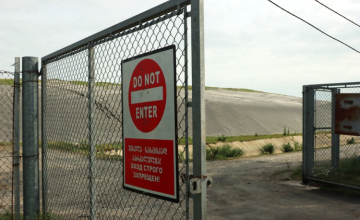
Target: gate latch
column 196, row 183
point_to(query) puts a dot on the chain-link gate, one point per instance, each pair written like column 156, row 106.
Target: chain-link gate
column 82, row 121
column 6, row 143
column 331, row 154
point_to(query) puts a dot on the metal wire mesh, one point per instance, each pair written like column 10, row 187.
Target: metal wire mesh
column 6, row 143
column 335, row 161
column 71, row 191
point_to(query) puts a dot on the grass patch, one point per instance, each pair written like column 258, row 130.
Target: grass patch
column 268, row 148
column 297, row 146
column 221, row 138
column 6, row 82
column 285, row 148
column 223, row 152
column 218, row 88
column 83, row 148
column 347, row 173
column 4, row 143
column 297, row 173
column 242, row 138
column 350, row 141
column 102, row 84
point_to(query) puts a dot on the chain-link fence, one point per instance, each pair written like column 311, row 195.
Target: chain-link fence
column 82, row 121
column 6, row 143
column 332, row 125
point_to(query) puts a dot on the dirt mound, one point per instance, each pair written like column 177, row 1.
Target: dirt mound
column 233, row 113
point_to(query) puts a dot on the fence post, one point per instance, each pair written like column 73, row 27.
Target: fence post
column 308, row 132
column 92, row 133
column 30, row 117
column 186, row 46
column 198, row 105
column 43, row 139
column 17, row 137
column 335, row 141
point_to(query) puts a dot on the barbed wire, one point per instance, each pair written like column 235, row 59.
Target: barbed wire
column 8, row 72
column 315, row 27
column 12, row 73
column 337, row 13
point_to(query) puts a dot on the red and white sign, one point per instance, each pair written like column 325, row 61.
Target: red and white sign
column 149, row 124
column 147, row 95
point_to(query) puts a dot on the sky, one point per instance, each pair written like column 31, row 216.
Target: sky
column 249, row 44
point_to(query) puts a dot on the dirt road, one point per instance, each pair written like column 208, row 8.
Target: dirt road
column 247, row 189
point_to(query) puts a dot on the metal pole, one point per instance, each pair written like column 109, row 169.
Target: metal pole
column 198, row 105
column 92, row 133
column 17, row 137
column 186, row 111
column 335, row 141
column 30, row 117
column 308, row 132
column 43, row 139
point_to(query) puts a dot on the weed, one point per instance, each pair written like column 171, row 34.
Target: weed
column 350, row 141
column 211, row 152
column 83, row 148
column 256, row 135
column 3, row 143
column 242, row 138
column 349, row 166
column 223, row 152
column 228, row 151
column 221, row 138
column 347, row 172
column 297, row 146
column 284, row 132
column 297, row 173
column 268, row 148
column 287, row 148
column 288, row 131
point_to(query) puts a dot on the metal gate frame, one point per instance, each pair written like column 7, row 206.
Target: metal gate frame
column 197, row 104
column 315, row 122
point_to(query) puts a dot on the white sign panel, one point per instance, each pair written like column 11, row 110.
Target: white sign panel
column 149, row 124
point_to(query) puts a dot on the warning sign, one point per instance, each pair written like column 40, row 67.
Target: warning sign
column 149, row 124
column 147, row 95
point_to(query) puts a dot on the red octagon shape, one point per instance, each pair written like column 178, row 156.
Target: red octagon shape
column 147, row 95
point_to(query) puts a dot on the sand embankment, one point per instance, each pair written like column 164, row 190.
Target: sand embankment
column 233, row 113
column 228, row 113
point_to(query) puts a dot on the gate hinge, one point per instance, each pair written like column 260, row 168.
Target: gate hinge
column 196, row 183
